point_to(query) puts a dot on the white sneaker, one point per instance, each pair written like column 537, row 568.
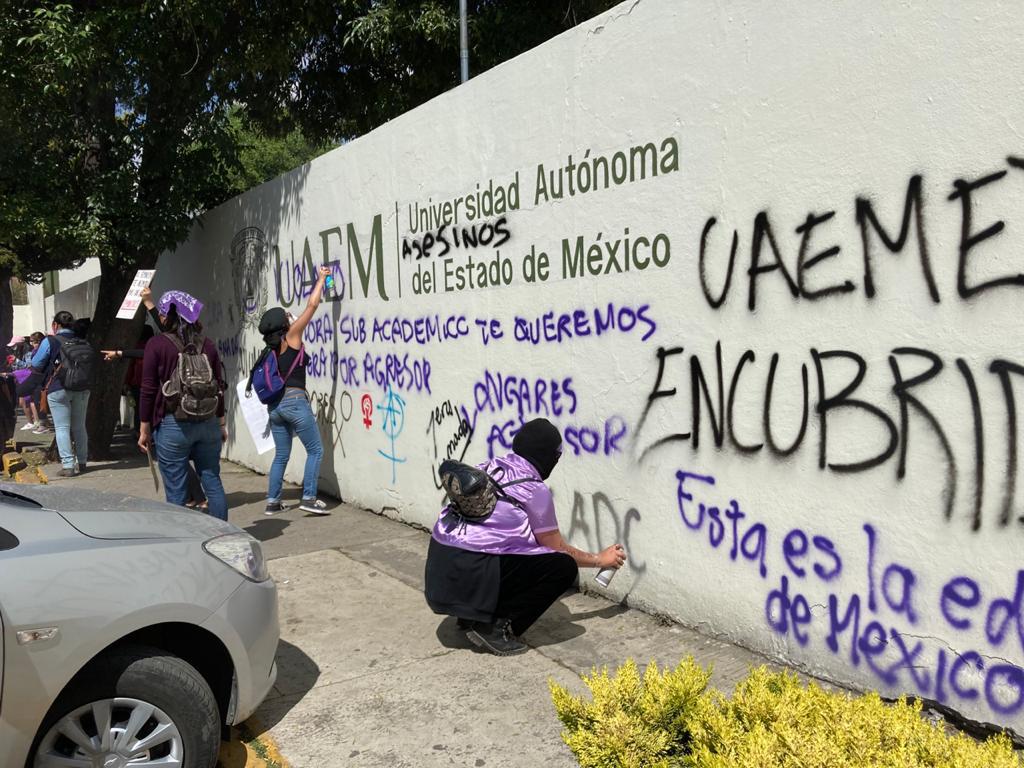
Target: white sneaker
column 28, row 426
column 41, row 429
column 314, row 507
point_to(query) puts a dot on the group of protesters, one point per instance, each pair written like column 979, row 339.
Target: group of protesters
column 178, row 385
column 34, row 363
column 496, row 560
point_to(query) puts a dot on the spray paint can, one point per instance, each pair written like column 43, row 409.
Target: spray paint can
column 604, row 576
column 329, row 282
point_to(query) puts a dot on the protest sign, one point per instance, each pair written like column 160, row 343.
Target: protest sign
column 257, row 419
column 134, row 296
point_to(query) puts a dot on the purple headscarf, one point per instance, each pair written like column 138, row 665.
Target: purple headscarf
column 188, row 305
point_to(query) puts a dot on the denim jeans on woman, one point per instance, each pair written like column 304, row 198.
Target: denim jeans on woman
column 177, row 443
column 290, row 417
column 68, row 411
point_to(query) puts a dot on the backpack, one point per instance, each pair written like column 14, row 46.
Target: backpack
column 265, row 377
column 192, row 392
column 75, row 361
column 472, row 492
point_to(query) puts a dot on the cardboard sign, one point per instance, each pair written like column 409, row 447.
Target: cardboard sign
column 256, row 417
column 133, row 298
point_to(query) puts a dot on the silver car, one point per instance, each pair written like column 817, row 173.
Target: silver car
column 133, row 632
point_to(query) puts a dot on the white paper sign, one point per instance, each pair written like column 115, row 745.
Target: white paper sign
column 134, row 296
column 257, row 419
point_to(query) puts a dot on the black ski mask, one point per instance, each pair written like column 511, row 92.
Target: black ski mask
column 539, row 442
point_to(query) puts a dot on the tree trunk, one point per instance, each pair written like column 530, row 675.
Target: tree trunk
column 6, row 307
column 108, row 332
column 8, row 399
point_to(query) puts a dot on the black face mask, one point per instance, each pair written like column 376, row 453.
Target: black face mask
column 539, row 442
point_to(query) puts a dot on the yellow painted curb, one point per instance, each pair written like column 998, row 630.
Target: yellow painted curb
column 248, row 750
column 272, row 750
column 239, row 755
column 31, row 476
column 13, row 462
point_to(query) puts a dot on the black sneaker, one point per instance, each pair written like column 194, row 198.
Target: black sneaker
column 273, row 507
column 314, row 507
column 498, row 640
column 465, row 624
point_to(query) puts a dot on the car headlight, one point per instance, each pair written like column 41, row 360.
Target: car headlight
column 241, row 552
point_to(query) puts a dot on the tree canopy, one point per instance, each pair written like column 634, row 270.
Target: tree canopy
column 121, row 120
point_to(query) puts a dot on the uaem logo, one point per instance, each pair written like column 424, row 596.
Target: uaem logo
column 249, row 269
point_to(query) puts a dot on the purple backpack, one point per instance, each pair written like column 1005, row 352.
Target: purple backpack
column 266, row 377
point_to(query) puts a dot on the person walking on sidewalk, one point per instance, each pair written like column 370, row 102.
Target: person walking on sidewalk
column 291, row 414
column 22, row 372
column 63, row 363
column 182, row 416
column 499, row 575
column 194, row 496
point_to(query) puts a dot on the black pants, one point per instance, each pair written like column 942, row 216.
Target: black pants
column 530, row 584
column 482, row 587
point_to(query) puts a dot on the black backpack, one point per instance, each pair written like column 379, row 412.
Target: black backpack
column 473, row 493
column 76, row 360
column 192, row 393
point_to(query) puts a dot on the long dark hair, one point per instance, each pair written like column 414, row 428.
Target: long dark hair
column 186, row 331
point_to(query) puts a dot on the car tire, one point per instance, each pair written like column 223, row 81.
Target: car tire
column 157, row 678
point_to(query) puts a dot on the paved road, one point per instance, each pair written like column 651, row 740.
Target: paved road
column 368, row 676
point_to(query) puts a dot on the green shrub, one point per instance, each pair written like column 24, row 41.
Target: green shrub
column 671, row 720
column 632, row 722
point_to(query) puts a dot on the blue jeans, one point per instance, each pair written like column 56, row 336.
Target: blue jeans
column 68, row 411
column 179, row 442
column 290, row 417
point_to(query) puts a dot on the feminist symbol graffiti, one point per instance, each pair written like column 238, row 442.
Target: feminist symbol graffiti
column 366, row 405
column 392, row 423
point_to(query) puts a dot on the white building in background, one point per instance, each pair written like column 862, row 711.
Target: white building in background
column 74, row 290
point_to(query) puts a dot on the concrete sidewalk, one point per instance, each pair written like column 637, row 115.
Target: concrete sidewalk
column 368, row 676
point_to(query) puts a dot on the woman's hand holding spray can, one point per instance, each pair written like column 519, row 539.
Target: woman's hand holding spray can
column 609, row 561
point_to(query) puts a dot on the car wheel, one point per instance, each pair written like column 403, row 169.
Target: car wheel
column 133, row 707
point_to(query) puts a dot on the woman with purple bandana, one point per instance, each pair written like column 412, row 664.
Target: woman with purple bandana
column 499, row 575
column 178, row 442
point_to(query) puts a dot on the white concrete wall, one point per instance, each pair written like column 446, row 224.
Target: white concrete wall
column 875, row 536
column 78, row 290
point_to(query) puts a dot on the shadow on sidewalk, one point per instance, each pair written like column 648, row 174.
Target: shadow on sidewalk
column 268, row 528
column 450, row 636
column 297, row 673
column 241, row 498
column 557, row 625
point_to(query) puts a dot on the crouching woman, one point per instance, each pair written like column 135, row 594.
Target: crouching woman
column 498, row 575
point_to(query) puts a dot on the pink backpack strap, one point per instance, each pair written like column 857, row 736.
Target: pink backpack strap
column 298, row 359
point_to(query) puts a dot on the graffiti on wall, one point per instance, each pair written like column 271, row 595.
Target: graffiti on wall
column 876, row 625
column 912, row 412
column 392, row 423
column 249, row 271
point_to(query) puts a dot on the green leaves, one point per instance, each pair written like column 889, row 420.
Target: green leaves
column 670, row 718
column 119, row 122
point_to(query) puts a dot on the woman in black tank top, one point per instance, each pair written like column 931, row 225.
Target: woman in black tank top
column 286, row 361
column 291, row 415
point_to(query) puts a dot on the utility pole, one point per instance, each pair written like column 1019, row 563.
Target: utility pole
column 463, row 41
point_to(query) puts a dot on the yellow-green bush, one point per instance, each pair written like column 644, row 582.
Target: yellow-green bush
column 631, row 721
column 669, row 719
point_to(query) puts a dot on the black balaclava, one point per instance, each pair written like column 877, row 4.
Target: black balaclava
column 539, row 442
